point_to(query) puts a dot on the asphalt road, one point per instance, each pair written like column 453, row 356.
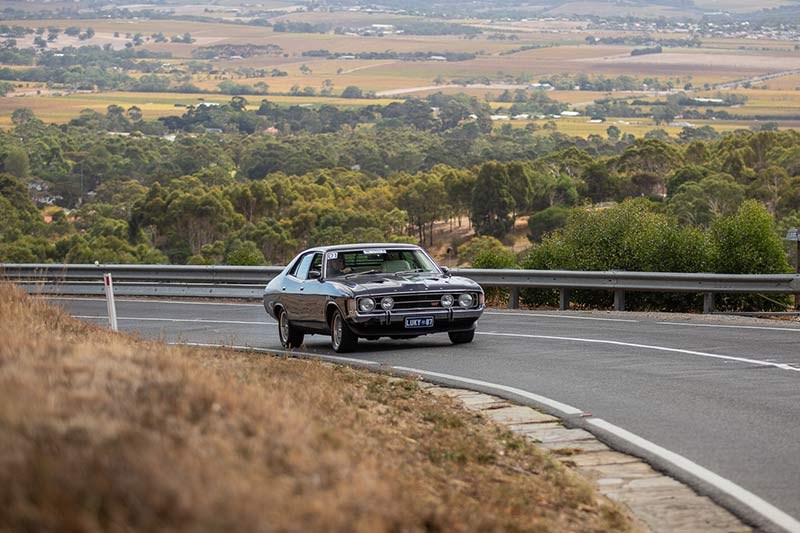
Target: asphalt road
column 723, row 393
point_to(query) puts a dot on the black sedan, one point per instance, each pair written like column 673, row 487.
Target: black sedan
column 371, row 291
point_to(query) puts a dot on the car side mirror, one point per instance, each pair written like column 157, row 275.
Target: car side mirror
column 446, row 271
column 314, row 274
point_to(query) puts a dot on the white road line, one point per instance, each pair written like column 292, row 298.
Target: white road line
column 537, row 315
column 197, row 320
column 796, row 330
column 645, row 346
column 765, row 509
column 553, row 404
column 159, row 301
column 780, row 366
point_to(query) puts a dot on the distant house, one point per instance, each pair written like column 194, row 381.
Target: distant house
column 500, row 117
column 213, row 130
column 569, row 114
column 709, row 100
column 522, row 116
column 437, row 58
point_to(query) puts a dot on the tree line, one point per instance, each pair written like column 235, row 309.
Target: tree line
column 256, row 199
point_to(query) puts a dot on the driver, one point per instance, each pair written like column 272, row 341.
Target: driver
column 336, row 267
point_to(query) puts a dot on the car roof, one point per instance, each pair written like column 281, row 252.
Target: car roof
column 363, row 246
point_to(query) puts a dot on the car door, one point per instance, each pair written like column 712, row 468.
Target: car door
column 292, row 288
column 312, row 295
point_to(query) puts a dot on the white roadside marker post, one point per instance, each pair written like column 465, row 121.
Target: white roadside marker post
column 112, row 307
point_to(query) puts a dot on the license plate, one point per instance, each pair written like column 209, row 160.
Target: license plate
column 419, row 322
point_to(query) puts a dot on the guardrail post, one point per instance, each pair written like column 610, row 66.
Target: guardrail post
column 708, row 302
column 110, row 304
column 513, row 298
column 619, row 300
column 563, row 298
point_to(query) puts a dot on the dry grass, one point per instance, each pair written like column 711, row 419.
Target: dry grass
column 100, row 431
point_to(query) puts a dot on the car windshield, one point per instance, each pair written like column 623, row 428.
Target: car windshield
column 374, row 260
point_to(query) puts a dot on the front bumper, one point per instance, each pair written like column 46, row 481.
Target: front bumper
column 383, row 323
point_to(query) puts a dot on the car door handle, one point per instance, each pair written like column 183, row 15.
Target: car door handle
column 302, row 288
column 283, row 288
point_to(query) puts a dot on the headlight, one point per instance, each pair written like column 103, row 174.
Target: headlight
column 387, row 303
column 366, row 305
column 447, row 300
column 466, row 300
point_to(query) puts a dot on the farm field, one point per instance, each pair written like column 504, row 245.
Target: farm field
column 638, row 127
column 738, row 6
column 784, row 83
column 561, row 50
column 60, row 109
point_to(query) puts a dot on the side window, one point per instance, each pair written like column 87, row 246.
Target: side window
column 300, row 270
column 316, row 263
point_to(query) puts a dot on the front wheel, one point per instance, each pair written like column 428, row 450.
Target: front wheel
column 291, row 337
column 342, row 339
column 461, row 337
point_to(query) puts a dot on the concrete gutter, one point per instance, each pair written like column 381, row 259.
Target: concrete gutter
column 656, row 502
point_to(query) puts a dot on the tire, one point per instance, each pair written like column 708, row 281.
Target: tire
column 461, row 337
column 342, row 339
column 291, row 337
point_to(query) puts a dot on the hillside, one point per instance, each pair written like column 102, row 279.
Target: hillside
column 103, row 431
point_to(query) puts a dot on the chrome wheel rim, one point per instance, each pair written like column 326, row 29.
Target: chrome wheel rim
column 337, row 331
column 284, row 328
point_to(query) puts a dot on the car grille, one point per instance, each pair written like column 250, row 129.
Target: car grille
column 419, row 301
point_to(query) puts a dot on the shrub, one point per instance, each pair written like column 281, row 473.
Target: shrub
column 488, row 252
column 747, row 243
column 245, row 253
column 547, row 221
column 629, row 236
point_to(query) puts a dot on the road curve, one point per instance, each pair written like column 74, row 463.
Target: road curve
column 720, row 393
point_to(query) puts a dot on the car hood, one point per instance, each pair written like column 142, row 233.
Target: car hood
column 388, row 283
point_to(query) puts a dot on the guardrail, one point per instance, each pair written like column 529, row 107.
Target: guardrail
column 248, row 282
column 191, row 281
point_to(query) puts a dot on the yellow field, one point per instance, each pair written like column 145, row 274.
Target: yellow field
column 341, row 73
column 580, row 126
column 771, row 98
column 60, row 109
column 786, row 83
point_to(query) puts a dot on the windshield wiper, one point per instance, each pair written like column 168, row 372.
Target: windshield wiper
column 361, row 273
column 413, row 271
